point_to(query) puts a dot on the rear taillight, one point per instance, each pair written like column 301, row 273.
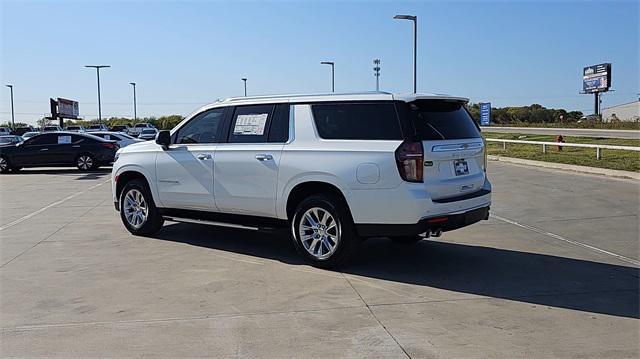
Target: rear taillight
column 485, row 149
column 410, row 161
column 110, row 145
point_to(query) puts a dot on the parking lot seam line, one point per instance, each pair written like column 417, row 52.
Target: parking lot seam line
column 375, row 317
column 30, row 215
column 52, row 234
column 567, row 240
column 586, row 218
column 165, row 320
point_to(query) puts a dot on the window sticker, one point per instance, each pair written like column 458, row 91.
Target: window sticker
column 250, row 125
column 62, row 140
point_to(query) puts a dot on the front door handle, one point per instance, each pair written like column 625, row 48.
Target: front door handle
column 264, row 157
column 44, row 149
column 204, row 156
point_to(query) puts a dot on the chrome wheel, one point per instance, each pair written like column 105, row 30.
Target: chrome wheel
column 135, row 208
column 85, row 162
column 3, row 164
column 319, row 233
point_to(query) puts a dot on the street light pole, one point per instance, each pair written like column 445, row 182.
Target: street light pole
column 135, row 114
column 13, row 119
column 245, row 86
column 333, row 74
column 415, row 46
column 98, row 67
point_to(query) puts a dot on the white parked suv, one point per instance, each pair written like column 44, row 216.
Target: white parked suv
column 333, row 169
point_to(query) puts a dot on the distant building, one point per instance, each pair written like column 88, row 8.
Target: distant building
column 626, row 112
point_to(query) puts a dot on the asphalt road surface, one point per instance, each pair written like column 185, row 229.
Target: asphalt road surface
column 553, row 273
column 629, row 134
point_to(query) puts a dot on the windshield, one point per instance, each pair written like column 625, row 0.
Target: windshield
column 10, row 139
column 441, row 120
column 141, row 125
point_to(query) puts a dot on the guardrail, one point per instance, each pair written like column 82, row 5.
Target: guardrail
column 598, row 148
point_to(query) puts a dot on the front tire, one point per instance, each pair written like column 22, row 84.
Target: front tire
column 323, row 231
column 138, row 212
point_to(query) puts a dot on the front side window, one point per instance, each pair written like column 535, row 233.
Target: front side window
column 203, row 128
column 357, row 121
column 43, row 140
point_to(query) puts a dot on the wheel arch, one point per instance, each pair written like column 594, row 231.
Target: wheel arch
column 127, row 174
column 305, row 189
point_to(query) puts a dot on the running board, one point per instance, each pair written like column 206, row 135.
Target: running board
column 211, row 223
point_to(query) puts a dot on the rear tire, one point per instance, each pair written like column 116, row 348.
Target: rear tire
column 138, row 212
column 86, row 162
column 407, row 239
column 323, row 231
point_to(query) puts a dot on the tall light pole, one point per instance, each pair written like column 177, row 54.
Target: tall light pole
column 376, row 73
column 98, row 67
column 135, row 114
column 244, row 79
column 415, row 45
column 333, row 74
column 13, row 119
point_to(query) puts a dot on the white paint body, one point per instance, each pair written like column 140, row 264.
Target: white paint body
column 228, row 177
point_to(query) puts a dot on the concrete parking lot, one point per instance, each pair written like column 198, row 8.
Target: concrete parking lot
column 553, row 273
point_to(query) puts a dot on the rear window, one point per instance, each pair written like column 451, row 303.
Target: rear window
column 141, row 125
column 441, row 120
column 357, row 121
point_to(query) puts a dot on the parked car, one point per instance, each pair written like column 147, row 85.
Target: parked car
column 29, row 134
column 21, row 130
column 331, row 168
column 85, row 151
column 121, row 128
column 122, row 139
column 75, row 128
column 100, row 127
column 138, row 127
column 52, row 129
column 5, row 131
column 148, row 134
column 4, row 139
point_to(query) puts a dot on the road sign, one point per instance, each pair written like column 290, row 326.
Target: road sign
column 485, row 113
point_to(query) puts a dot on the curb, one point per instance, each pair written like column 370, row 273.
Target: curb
column 567, row 167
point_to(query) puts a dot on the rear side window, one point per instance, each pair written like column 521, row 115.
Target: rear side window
column 357, row 121
column 250, row 124
column 441, row 120
column 201, row 129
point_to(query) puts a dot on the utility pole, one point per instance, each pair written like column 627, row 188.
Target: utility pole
column 333, row 74
column 98, row 67
column 415, row 46
column 376, row 73
column 245, row 86
column 135, row 114
column 13, row 119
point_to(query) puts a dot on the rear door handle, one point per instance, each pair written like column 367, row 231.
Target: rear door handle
column 204, row 156
column 44, row 149
column 264, row 157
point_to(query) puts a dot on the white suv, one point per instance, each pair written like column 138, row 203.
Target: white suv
column 331, row 168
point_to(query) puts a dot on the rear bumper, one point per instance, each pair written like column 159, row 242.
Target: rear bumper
column 442, row 222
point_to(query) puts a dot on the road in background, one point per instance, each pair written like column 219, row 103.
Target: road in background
column 552, row 274
column 584, row 132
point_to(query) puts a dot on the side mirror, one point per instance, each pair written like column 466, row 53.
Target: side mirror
column 163, row 138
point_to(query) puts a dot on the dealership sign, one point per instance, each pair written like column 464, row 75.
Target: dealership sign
column 596, row 78
column 68, row 108
column 485, row 113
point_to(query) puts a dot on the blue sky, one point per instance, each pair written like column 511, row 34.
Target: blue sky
column 185, row 54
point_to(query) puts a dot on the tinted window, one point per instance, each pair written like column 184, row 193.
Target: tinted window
column 141, row 125
column 43, row 140
column 250, row 124
column 441, row 120
column 203, row 128
column 279, row 129
column 357, row 121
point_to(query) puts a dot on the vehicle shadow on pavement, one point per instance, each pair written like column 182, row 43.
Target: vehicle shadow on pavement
column 519, row 276
column 81, row 175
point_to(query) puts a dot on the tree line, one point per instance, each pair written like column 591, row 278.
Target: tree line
column 527, row 114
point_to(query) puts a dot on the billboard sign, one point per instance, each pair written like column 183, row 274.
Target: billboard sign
column 596, row 78
column 68, row 108
column 485, row 113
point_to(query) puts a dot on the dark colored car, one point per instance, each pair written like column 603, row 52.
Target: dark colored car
column 54, row 149
column 120, row 128
column 19, row 131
